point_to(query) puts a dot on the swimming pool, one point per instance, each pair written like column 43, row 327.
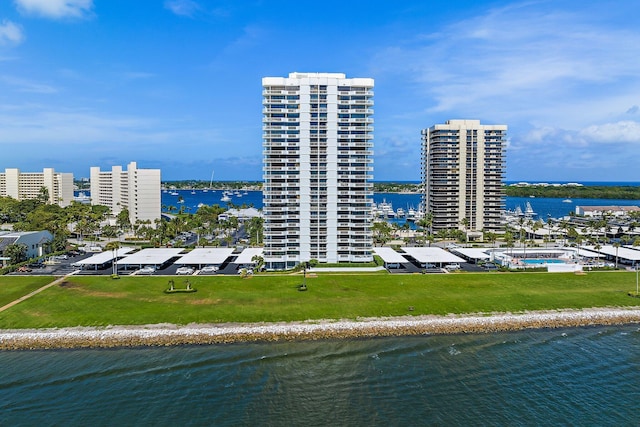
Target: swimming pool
column 538, row 261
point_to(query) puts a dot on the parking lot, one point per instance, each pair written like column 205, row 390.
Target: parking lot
column 65, row 264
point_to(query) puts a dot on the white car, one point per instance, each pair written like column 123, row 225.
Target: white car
column 184, row 270
column 453, row 266
column 209, row 269
column 147, row 270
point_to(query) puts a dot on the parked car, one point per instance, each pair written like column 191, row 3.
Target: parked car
column 209, row 269
column 184, row 270
column 453, row 266
column 489, row 266
column 147, row 270
column 24, row 269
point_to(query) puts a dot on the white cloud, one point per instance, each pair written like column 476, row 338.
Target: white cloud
column 27, row 86
column 55, row 9
column 525, row 62
column 619, row 132
column 10, row 33
column 182, row 7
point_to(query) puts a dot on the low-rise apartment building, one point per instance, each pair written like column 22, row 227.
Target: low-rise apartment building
column 138, row 190
column 29, row 185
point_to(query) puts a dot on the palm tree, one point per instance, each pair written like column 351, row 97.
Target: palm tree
column 425, row 223
column 617, row 246
column 113, row 247
column 465, row 225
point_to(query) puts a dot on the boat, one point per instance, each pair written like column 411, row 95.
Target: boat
column 174, row 193
column 193, row 192
column 386, row 209
column 206, row 190
column 82, row 197
column 528, row 211
column 411, row 214
column 567, row 201
column 400, row 213
column 200, row 205
column 225, row 198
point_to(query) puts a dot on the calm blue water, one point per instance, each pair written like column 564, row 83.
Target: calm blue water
column 579, row 377
column 543, row 261
column 543, row 207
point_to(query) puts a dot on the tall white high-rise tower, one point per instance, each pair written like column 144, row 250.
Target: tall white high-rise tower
column 318, row 165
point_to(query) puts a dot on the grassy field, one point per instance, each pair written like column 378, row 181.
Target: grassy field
column 101, row 301
column 13, row 287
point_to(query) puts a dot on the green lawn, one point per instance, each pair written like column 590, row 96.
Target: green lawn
column 14, row 287
column 101, row 301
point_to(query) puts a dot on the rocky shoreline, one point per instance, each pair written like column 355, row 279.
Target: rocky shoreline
column 197, row 334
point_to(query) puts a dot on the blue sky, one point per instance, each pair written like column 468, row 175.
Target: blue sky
column 176, row 84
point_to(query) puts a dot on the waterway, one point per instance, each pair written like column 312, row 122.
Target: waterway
column 580, row 376
column 543, row 207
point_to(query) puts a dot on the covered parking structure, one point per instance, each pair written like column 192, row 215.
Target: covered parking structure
column 625, row 254
column 392, row 259
column 156, row 257
column 103, row 259
column 205, row 256
column 431, row 255
column 245, row 259
column 473, row 255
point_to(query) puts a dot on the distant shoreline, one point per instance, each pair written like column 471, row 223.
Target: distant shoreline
column 204, row 334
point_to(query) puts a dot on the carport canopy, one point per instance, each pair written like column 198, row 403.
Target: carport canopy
column 390, row 256
column 151, row 256
column 205, row 256
column 245, row 256
column 431, row 255
column 475, row 254
column 105, row 257
column 627, row 253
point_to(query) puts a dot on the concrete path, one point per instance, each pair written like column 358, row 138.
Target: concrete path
column 37, row 291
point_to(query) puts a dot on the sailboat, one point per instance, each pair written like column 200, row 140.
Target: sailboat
column 206, row 190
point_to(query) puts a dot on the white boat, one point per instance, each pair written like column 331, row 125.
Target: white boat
column 225, row 198
column 567, row 201
column 174, row 193
column 206, row 190
column 400, row 213
column 528, row 211
column 201, row 205
column 411, row 214
column 386, row 209
column 193, row 192
column 82, row 197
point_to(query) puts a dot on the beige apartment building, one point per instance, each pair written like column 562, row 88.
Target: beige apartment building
column 463, row 168
column 138, row 190
column 28, row 185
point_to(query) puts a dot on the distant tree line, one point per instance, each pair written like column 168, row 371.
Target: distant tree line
column 575, row 192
